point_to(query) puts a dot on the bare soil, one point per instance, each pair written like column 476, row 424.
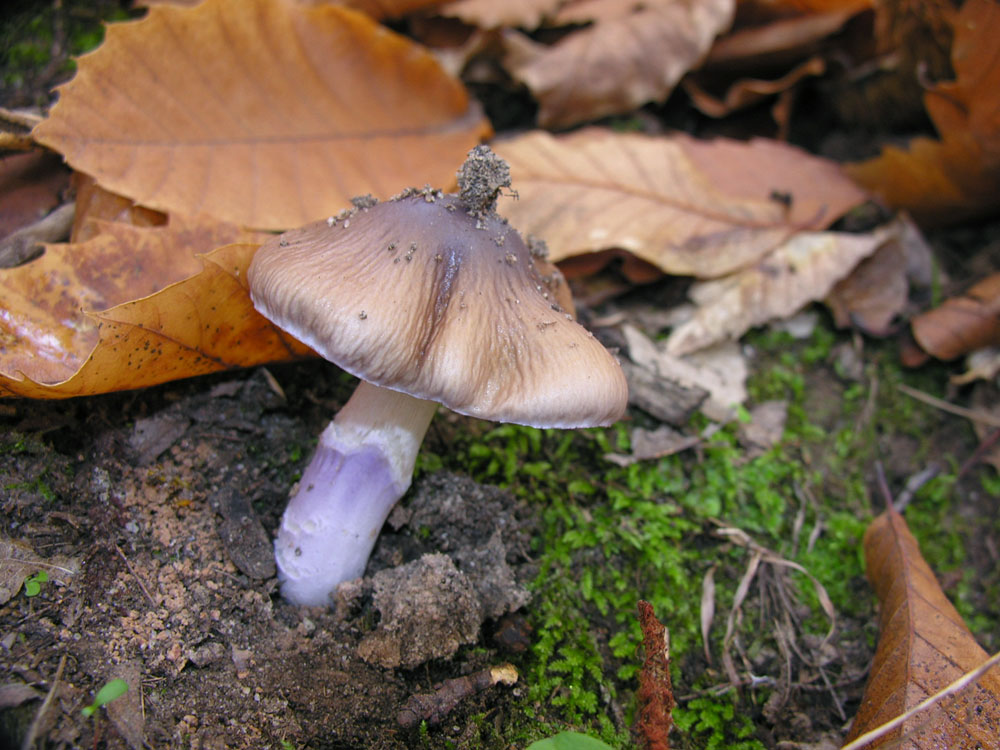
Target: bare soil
column 173, row 586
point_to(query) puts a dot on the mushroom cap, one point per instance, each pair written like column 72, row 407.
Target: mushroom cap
column 419, row 296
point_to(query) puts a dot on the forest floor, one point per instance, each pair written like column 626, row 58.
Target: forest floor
column 153, row 512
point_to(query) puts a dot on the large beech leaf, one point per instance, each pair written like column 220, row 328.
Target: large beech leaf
column 950, row 180
column 264, row 113
column 701, row 208
column 633, row 54
column 802, row 270
column 923, row 646
column 53, row 344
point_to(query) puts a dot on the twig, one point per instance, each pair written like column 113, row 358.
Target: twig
column 883, row 484
column 26, row 243
column 913, row 484
column 655, row 696
column 136, row 576
column 29, row 738
column 955, row 687
column 981, row 450
column 971, row 414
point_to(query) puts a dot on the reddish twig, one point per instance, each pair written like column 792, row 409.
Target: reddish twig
column 655, row 696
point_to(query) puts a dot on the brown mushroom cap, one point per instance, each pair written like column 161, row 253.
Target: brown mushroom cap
column 419, row 296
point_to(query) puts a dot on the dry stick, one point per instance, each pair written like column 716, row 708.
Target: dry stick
column 953, row 689
column 985, row 446
column 136, row 576
column 913, row 484
column 655, row 695
column 29, row 738
column 961, row 411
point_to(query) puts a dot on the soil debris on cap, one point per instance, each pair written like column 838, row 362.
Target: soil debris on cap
column 481, row 178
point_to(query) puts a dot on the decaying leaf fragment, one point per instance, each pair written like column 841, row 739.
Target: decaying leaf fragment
column 18, row 561
column 802, row 270
column 205, row 323
column 689, row 207
column 263, row 113
column 633, row 54
column 962, row 324
column 45, row 331
column 923, row 646
column 950, row 180
column 720, row 371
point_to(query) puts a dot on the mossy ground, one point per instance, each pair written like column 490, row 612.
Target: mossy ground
column 614, row 535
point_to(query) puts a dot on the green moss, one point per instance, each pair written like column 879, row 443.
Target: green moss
column 614, row 535
column 28, row 38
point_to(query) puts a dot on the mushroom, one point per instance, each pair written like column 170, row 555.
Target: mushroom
column 428, row 298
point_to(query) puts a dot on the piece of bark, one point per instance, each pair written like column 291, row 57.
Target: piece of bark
column 667, row 400
column 243, row 535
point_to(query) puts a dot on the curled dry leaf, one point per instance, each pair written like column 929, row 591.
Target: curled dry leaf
column 957, row 177
column 802, row 270
column 877, row 291
column 18, row 561
column 962, row 324
column 633, row 55
column 923, row 646
column 45, row 333
column 721, row 371
column 94, row 204
column 747, row 92
column 689, row 207
column 263, row 113
column 202, row 324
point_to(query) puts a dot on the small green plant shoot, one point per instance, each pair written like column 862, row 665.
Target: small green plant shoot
column 33, row 585
column 569, row 741
column 112, row 690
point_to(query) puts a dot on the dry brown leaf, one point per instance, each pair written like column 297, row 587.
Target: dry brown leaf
column 962, row 324
column 701, row 208
column 749, row 91
column 801, row 271
column 45, row 333
column 618, row 63
column 877, row 291
column 94, row 204
column 490, row 14
column 263, row 113
column 202, row 324
column 958, row 177
column 658, row 443
column 781, row 41
column 923, row 646
column 18, row 561
column 384, row 8
column 874, row 293
column 721, row 370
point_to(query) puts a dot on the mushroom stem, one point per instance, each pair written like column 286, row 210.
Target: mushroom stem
column 362, row 466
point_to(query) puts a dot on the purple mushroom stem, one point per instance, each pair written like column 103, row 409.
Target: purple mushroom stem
column 362, row 466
